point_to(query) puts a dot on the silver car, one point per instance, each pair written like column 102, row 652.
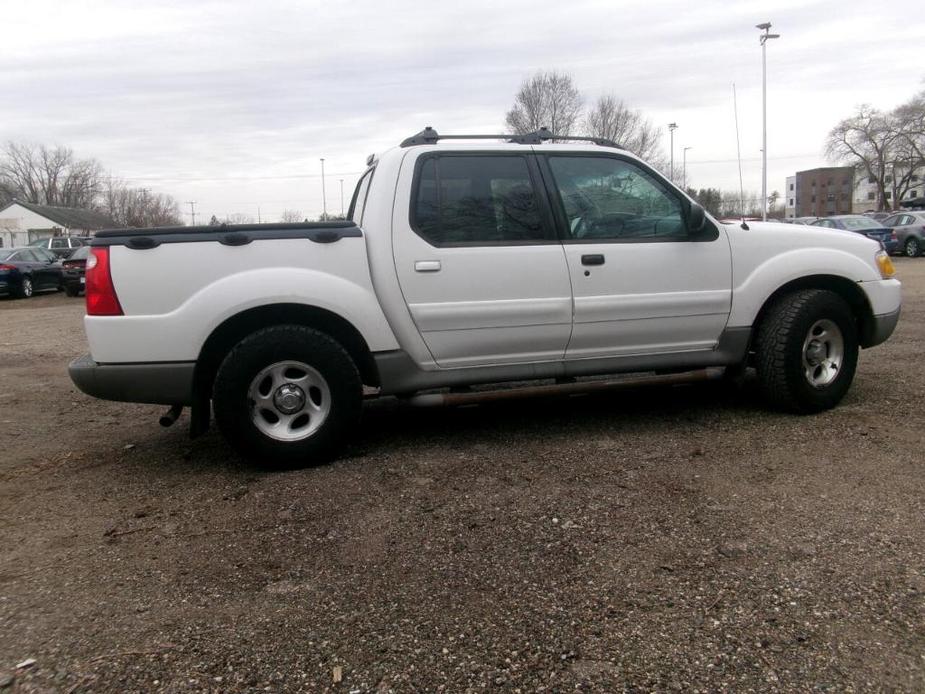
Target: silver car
column 910, row 231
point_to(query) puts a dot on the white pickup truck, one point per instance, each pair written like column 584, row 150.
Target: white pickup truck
column 471, row 260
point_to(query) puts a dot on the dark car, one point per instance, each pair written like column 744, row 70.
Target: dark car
column 61, row 246
column 860, row 224
column 75, row 269
column 24, row 271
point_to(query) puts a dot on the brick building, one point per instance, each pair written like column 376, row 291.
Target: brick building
column 820, row 192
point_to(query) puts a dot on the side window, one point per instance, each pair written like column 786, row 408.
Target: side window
column 605, row 198
column 892, row 221
column 477, row 200
column 358, row 203
column 59, row 243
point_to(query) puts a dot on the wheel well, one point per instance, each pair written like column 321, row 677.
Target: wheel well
column 849, row 291
column 239, row 326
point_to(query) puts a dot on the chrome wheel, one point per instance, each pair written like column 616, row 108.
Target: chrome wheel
column 26, row 287
column 289, row 401
column 823, row 353
column 912, row 247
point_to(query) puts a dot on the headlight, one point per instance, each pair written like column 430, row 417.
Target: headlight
column 884, row 264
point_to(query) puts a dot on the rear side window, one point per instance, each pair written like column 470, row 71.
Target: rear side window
column 477, row 200
column 59, row 243
column 358, row 203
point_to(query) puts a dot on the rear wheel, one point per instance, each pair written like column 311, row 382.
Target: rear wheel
column 913, row 247
column 25, row 288
column 71, row 290
column 807, row 351
column 287, row 396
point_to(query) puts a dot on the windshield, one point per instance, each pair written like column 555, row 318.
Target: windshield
column 39, row 242
column 5, row 255
column 81, row 252
column 861, row 223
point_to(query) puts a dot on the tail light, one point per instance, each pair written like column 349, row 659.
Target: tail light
column 7, row 267
column 101, row 293
column 893, row 236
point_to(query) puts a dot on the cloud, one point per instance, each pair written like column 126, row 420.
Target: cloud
column 233, row 103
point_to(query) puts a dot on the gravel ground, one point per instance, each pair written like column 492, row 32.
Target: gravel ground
column 662, row 539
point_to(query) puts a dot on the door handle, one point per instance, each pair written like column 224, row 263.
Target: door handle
column 593, row 259
column 427, row 266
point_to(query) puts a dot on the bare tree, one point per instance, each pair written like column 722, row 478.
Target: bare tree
column 548, row 99
column 610, row 118
column 886, row 148
column 291, row 216
column 49, row 176
column 239, row 218
column 139, row 207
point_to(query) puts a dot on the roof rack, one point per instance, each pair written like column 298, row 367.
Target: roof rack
column 429, row 136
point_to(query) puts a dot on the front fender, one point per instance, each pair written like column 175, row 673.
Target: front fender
column 754, row 285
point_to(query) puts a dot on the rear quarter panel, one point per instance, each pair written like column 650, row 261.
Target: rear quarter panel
column 175, row 295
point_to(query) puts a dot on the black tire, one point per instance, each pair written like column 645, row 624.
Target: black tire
column 237, row 415
column 783, row 376
column 913, row 247
column 71, row 290
column 25, row 289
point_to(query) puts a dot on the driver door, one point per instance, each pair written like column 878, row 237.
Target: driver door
column 641, row 283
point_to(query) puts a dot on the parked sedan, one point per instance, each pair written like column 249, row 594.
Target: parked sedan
column 860, row 224
column 75, row 269
column 24, row 271
column 909, row 228
column 61, row 246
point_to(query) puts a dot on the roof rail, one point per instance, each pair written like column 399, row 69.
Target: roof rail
column 429, row 136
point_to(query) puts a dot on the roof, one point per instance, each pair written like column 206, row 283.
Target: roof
column 69, row 217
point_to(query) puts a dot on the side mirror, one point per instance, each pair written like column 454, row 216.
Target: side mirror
column 696, row 219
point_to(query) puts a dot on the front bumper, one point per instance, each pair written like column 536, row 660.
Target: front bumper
column 168, row 383
column 880, row 329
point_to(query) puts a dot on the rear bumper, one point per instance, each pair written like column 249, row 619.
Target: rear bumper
column 159, row 384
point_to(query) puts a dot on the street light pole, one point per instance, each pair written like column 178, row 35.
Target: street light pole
column 671, row 128
column 324, row 197
column 684, row 170
column 764, row 26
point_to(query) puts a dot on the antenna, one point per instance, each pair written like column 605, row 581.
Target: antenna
column 735, row 110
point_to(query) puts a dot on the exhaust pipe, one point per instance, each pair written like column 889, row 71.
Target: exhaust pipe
column 456, row 399
column 170, row 416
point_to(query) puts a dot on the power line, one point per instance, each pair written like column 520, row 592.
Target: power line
column 236, row 178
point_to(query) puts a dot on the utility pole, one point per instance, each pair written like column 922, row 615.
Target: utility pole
column 259, row 221
column 764, row 26
column 671, row 128
column 341, row 197
column 324, row 198
column 192, row 210
column 684, row 169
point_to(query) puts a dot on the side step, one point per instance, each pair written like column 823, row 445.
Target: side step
column 455, row 399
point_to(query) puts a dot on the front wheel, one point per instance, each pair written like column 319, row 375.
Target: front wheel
column 807, row 351
column 287, row 396
column 912, row 247
column 25, row 288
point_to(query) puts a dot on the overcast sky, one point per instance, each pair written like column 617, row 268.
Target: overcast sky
column 231, row 104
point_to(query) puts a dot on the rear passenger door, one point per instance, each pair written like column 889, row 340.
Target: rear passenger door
column 478, row 261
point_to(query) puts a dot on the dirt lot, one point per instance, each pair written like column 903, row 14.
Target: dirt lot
column 669, row 539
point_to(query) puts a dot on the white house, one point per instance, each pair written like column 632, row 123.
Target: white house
column 24, row 222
